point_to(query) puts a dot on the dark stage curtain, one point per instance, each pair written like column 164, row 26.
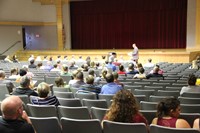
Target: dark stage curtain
column 108, row 24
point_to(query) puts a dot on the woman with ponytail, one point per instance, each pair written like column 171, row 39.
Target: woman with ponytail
column 168, row 112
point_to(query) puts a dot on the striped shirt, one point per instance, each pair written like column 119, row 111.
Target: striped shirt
column 50, row 100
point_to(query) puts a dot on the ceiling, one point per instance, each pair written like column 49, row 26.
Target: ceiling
column 53, row 2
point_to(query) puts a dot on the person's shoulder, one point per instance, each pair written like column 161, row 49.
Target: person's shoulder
column 181, row 123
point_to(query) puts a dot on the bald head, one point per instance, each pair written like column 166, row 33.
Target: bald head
column 10, row 107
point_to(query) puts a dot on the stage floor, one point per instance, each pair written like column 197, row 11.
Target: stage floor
column 157, row 55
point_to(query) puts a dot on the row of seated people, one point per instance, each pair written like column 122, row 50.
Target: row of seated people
column 111, row 79
column 123, row 109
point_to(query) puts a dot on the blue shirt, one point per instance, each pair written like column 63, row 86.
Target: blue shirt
column 110, row 88
column 113, row 67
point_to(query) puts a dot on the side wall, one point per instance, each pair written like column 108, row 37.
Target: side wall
column 8, row 36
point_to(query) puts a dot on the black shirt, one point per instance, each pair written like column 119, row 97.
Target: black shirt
column 15, row 126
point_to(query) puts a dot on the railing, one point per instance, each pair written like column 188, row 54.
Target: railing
column 10, row 47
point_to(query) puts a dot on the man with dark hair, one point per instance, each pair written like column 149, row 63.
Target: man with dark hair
column 110, row 87
column 14, row 119
column 32, row 65
column 192, row 87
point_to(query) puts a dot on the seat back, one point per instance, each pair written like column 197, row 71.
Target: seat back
column 118, row 127
column 70, row 102
column 153, row 98
column 190, row 94
column 108, row 98
column 83, row 95
column 80, row 126
column 60, row 89
column 190, row 108
column 188, row 100
column 98, row 113
column 149, row 114
column 66, row 78
column 148, row 105
column 101, row 103
column 4, row 91
column 63, row 94
column 162, row 129
column 74, row 112
column 46, row 125
column 42, row 110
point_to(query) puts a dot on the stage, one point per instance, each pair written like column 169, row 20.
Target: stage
column 157, row 55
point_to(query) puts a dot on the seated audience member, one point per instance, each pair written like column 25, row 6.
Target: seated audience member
column 10, row 86
column 24, row 88
column 58, row 59
column 65, row 60
column 59, row 65
column 85, row 67
column 111, row 66
column 7, row 59
column 43, row 90
column 196, row 124
column 103, row 74
column 14, row 119
column 154, row 74
column 14, row 74
column 72, row 65
column 64, row 71
column 28, row 73
column 192, row 87
column 96, row 79
column 115, row 74
column 51, row 59
column 73, row 80
column 45, row 59
column 22, row 73
column 38, row 58
column 32, row 65
column 48, row 66
column 14, row 59
column 194, row 65
column 80, row 59
column 40, row 65
column 93, row 65
column 141, row 74
column 112, row 56
column 160, row 71
column 139, row 65
column 89, row 86
column 88, row 60
column 78, row 80
column 121, row 59
column 131, row 69
column 121, row 70
column 111, row 87
column 124, row 109
column 55, row 68
column 116, row 63
column 59, row 82
column 168, row 111
column 149, row 64
column 31, row 58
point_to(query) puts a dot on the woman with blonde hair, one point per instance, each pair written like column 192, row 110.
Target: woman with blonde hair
column 124, row 109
